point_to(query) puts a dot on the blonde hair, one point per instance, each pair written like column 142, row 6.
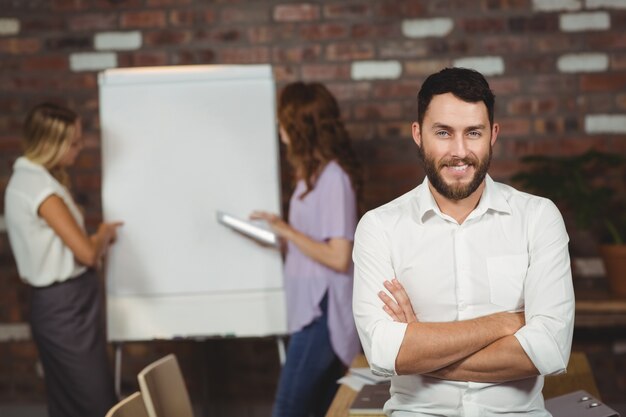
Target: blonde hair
column 47, row 135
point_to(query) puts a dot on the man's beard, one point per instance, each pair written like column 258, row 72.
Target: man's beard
column 455, row 191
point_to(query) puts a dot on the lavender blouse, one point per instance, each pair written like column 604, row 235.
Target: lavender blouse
column 328, row 211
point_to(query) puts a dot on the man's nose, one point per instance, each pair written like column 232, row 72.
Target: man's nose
column 459, row 146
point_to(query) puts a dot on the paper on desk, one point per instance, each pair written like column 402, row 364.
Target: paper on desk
column 361, row 376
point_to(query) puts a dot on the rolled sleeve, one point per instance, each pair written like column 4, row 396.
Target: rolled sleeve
column 380, row 336
column 549, row 296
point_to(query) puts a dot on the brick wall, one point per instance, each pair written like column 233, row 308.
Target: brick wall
column 558, row 68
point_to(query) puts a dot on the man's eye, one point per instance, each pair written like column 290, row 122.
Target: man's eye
column 441, row 133
column 474, row 134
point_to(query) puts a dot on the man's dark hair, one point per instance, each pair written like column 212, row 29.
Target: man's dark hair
column 464, row 83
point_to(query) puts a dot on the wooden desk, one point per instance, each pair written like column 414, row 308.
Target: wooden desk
column 605, row 312
column 578, row 376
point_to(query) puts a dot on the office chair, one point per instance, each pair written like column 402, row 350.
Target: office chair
column 131, row 406
column 163, row 389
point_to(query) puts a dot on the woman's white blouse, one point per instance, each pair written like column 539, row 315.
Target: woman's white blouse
column 42, row 257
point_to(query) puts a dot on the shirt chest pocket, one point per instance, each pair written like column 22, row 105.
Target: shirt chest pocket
column 506, row 280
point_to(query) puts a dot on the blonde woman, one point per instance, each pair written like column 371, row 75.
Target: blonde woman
column 57, row 259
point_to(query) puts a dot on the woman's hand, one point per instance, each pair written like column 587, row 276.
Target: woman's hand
column 278, row 225
column 398, row 306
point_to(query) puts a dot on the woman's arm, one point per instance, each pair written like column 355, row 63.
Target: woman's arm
column 86, row 249
column 334, row 253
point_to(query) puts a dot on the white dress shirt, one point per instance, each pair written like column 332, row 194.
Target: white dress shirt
column 42, row 257
column 511, row 253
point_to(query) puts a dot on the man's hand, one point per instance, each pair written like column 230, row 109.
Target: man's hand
column 399, row 307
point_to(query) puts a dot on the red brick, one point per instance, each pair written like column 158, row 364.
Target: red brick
column 516, row 64
column 620, row 100
column 605, row 41
column 47, row 63
column 618, row 61
column 361, row 131
column 19, row 45
column 305, row 53
column 118, row 5
column 513, row 126
column 561, row 83
column 260, row 34
column 80, row 81
column 92, row 22
column 448, row 46
column 253, row 55
column 297, row 12
column 351, row 91
column 405, row 89
column 349, row 51
column 143, row 19
column 503, row 86
column 70, row 43
column 167, row 37
column 400, row 9
column 325, row 72
column 409, row 49
column 596, row 103
column 521, row 5
column 375, row 31
column 38, row 23
column 142, row 59
column 372, row 111
column 527, row 106
column 69, row 5
column 160, row 3
column 222, row 35
column 559, row 42
column 185, row 18
column 394, row 129
column 22, row 83
column 424, row 68
column 482, row 25
column 535, row 23
column 603, row 82
column 323, row 31
column 348, row 11
column 193, row 56
column 502, row 44
column 10, row 64
column 557, row 125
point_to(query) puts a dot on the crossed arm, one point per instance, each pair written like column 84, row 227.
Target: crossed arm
column 480, row 350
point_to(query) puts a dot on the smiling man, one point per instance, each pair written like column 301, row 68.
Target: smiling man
column 462, row 287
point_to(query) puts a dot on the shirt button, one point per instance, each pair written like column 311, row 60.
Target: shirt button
column 462, row 306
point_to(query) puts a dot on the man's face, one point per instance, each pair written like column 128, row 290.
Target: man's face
column 455, row 141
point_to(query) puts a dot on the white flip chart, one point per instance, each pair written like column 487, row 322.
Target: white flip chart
column 180, row 144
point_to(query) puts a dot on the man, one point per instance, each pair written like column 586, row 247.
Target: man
column 479, row 302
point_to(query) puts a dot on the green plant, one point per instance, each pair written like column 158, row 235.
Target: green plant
column 590, row 186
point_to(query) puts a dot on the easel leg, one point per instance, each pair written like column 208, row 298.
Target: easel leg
column 118, row 369
column 280, row 341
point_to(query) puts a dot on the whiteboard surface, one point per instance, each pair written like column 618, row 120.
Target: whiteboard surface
column 178, row 145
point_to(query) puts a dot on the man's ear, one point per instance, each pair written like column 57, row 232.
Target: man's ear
column 494, row 133
column 417, row 136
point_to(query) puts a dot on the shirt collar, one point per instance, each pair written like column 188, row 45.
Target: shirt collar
column 25, row 163
column 491, row 199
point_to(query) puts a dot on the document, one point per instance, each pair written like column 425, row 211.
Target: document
column 253, row 229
